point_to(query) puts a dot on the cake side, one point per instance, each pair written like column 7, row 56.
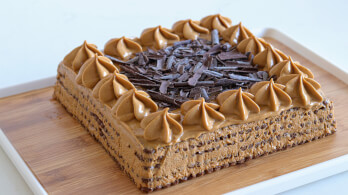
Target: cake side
column 193, row 157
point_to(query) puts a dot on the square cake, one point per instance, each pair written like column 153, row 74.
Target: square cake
column 175, row 104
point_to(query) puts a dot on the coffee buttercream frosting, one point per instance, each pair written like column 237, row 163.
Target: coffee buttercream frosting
column 158, row 37
column 122, row 48
column 134, row 104
column 162, row 125
column 94, row 69
column 77, row 57
column 235, row 34
column 269, row 57
column 252, row 44
column 199, row 112
column 237, row 102
column 303, row 90
column 217, row 22
column 270, row 94
column 189, row 29
column 111, row 87
column 287, row 67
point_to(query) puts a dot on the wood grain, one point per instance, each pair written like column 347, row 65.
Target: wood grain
column 67, row 160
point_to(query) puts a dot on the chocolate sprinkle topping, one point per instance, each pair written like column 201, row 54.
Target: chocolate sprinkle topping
column 191, row 69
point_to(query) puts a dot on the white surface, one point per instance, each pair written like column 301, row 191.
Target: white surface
column 37, row 34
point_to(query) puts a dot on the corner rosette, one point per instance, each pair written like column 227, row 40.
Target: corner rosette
column 77, row 57
column 134, row 104
column 237, row 102
column 94, row 69
column 199, row 112
column 302, row 89
column 163, row 126
column 270, row 94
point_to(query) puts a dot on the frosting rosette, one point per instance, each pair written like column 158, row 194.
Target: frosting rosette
column 270, row 94
column 158, row 37
column 112, row 87
column 162, row 125
column 302, row 89
column 237, row 102
column 78, row 56
column 217, row 22
column 235, row 34
column 287, row 67
column 134, row 104
column 94, row 69
column 199, row 112
column 252, row 44
column 269, row 57
column 189, row 29
column 122, row 48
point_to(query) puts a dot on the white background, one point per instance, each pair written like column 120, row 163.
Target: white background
column 36, row 34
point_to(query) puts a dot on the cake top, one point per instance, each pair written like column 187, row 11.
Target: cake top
column 199, row 76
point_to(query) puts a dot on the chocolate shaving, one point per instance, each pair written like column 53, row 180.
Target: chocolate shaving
column 191, row 69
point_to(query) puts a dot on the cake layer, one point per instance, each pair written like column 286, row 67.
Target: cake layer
column 155, row 168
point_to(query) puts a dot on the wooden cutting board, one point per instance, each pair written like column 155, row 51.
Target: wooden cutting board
column 67, row 160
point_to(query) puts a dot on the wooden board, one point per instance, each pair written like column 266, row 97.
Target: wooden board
column 67, row 160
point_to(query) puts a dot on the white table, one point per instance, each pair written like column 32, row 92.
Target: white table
column 36, row 34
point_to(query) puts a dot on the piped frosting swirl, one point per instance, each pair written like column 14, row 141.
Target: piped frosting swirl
column 134, row 104
column 269, row 57
column 235, row 34
column 252, row 44
column 162, row 125
column 199, row 112
column 94, row 69
column 217, row 22
column 78, row 56
column 189, row 29
column 302, row 89
column 270, row 94
column 237, row 102
column 158, row 37
column 111, row 87
column 287, row 67
column 122, row 48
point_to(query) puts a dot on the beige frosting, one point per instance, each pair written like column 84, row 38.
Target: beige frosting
column 162, row 125
column 94, row 69
column 287, row 67
column 252, row 44
column 302, row 89
column 122, row 48
column 134, row 104
column 79, row 55
column 269, row 57
column 237, row 102
column 235, row 34
column 158, row 37
column 217, row 22
column 270, row 94
column 111, row 87
column 199, row 112
column 189, row 29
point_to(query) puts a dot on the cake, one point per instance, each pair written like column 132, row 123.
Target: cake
column 175, row 104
